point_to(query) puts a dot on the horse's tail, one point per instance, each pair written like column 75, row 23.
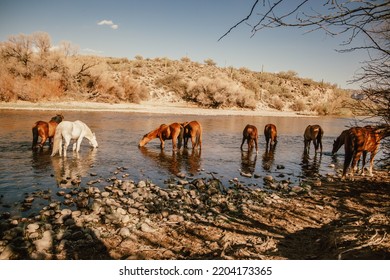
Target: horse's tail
column 35, row 135
column 56, row 142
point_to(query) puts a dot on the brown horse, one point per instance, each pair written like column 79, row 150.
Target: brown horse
column 341, row 139
column 270, row 134
column 192, row 130
column 250, row 134
column 45, row 130
column 164, row 132
column 360, row 140
column 313, row 133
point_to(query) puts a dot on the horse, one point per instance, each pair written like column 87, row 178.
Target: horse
column 250, row 134
column 360, row 140
column 270, row 134
column 339, row 142
column 192, row 130
column 164, row 132
column 45, row 130
column 76, row 130
column 313, row 133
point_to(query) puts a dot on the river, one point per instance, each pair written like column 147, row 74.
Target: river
column 24, row 172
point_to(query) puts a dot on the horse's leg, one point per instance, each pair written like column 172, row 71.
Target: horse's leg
column 193, row 140
column 242, row 143
column 256, row 145
column 373, row 153
column 174, row 145
column 320, row 142
column 66, row 144
column 162, row 144
column 315, row 143
column 363, row 161
column 78, row 143
column 354, row 162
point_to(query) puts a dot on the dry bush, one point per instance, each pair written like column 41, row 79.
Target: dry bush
column 298, row 105
column 276, row 102
column 133, row 91
column 39, row 89
column 7, row 86
column 173, row 82
column 219, row 92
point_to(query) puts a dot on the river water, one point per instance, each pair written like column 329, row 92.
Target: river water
column 23, row 171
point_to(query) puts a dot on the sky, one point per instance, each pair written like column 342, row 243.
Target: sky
column 180, row 28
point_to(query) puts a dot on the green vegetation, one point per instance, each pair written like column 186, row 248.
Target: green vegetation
column 32, row 70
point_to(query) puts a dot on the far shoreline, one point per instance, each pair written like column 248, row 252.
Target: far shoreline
column 152, row 107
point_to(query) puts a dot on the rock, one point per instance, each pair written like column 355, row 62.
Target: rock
column 146, row 228
column 45, row 243
column 32, row 227
column 245, row 174
column 268, row 178
column 297, row 189
column 175, row 218
column 124, row 232
column 317, row 183
column 141, row 184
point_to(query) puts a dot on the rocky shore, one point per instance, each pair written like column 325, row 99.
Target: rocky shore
column 199, row 218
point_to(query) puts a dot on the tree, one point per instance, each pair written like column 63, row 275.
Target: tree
column 42, row 42
column 366, row 20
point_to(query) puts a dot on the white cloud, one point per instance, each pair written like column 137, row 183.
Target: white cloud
column 110, row 23
column 88, row 50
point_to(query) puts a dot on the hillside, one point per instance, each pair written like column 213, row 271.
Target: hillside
column 55, row 75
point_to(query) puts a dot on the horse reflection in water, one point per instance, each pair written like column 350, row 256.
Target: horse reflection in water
column 269, row 157
column 175, row 162
column 248, row 162
column 310, row 167
column 69, row 171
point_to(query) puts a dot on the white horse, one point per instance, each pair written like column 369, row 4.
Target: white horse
column 76, row 130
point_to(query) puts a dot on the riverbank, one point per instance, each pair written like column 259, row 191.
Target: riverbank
column 201, row 219
column 153, row 107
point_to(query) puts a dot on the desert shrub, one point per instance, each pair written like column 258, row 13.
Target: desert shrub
column 7, row 86
column 219, row 92
column 298, row 105
column 133, row 90
column 289, row 75
column 185, row 59
column 210, row 62
column 276, row 103
column 173, row 82
column 38, row 89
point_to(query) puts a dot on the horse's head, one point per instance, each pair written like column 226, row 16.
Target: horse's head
column 93, row 142
column 145, row 139
column 58, row 118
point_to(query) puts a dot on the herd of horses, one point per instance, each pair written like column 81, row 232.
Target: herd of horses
column 357, row 141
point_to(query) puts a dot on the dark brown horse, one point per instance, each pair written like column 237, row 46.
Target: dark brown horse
column 45, row 130
column 164, row 132
column 313, row 133
column 193, row 131
column 250, row 135
column 271, row 135
column 360, row 140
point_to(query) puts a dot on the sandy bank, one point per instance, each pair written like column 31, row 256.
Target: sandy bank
column 156, row 107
